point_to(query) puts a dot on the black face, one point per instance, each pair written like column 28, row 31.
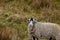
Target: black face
column 31, row 19
column 31, row 22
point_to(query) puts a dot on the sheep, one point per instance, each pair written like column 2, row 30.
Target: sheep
column 43, row 30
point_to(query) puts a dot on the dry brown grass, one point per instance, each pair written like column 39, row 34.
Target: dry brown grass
column 42, row 3
column 8, row 33
column 15, row 13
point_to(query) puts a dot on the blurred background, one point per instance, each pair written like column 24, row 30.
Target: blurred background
column 14, row 15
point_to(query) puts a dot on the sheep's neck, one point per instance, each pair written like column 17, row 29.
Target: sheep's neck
column 32, row 30
column 37, row 22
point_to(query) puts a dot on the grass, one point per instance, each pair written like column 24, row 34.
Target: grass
column 14, row 14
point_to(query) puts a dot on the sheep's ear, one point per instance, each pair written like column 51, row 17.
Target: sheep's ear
column 28, row 20
column 34, row 19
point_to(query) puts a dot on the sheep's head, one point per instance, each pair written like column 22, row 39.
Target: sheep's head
column 31, row 22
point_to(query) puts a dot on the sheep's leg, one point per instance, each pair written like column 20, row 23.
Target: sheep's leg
column 33, row 38
column 50, row 38
column 37, row 38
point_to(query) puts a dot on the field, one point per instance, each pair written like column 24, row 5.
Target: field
column 15, row 13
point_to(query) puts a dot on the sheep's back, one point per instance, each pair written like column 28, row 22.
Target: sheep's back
column 46, row 29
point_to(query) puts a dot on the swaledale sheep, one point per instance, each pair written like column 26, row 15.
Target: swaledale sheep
column 43, row 30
